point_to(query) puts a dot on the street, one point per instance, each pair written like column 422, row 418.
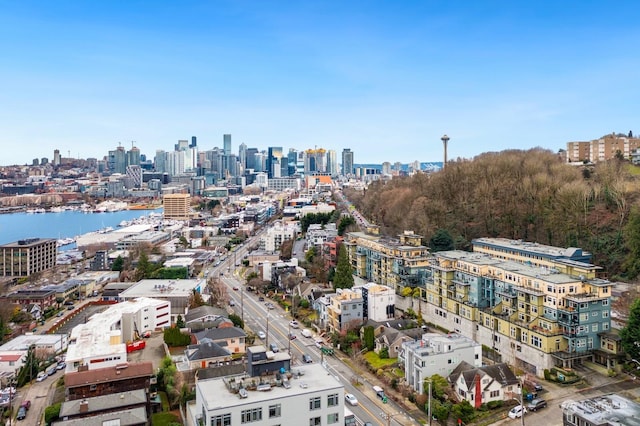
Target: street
column 275, row 324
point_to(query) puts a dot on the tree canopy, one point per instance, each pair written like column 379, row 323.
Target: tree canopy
column 630, row 334
column 343, row 277
column 528, row 195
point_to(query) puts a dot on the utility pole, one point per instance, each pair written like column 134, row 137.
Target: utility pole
column 429, row 406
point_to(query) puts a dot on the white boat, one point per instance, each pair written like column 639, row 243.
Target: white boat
column 56, row 209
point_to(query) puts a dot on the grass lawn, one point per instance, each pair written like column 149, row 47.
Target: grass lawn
column 164, row 419
column 376, row 362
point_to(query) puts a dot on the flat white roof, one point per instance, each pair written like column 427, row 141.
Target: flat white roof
column 315, row 379
column 93, row 337
column 163, row 288
column 24, row 341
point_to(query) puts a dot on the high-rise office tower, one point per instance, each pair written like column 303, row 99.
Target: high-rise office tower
column 133, row 157
column 274, row 155
column 315, row 161
column 250, row 162
column 194, row 142
column 242, row 155
column 117, row 160
column 181, row 145
column 160, row 161
column 292, row 160
column 332, row 162
column 347, row 162
column 226, row 141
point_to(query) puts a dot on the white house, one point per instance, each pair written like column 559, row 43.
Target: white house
column 480, row 385
column 437, row 354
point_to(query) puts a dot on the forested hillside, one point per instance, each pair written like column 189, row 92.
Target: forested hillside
column 530, row 195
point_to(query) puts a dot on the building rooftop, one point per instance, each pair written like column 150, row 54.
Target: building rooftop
column 135, row 416
column 608, row 409
column 108, row 374
column 104, row 402
column 27, row 242
column 25, row 341
column 224, row 393
column 94, row 336
column 532, row 247
column 163, row 288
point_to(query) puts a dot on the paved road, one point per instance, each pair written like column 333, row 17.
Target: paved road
column 275, row 324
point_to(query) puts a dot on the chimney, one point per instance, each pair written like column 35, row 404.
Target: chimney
column 84, row 406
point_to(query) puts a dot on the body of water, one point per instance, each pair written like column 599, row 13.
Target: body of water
column 67, row 224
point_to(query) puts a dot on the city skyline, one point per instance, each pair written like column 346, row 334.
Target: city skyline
column 382, row 80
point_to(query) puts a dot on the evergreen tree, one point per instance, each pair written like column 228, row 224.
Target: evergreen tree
column 630, row 334
column 344, row 276
column 441, row 241
column 118, row 264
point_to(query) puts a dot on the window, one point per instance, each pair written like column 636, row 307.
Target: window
column 605, row 314
column 275, row 410
column 221, row 420
column 314, row 403
column 494, row 394
column 315, row 421
column 605, row 302
column 332, row 400
column 333, row 418
column 251, row 415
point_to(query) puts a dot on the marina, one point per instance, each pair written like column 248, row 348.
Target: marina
column 66, row 226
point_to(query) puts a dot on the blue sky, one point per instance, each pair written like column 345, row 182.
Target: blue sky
column 384, row 78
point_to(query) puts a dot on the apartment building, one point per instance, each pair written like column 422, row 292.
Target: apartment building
column 273, row 238
column 395, row 262
column 611, row 409
column 177, row 206
column 345, row 311
column 535, row 306
column 437, row 354
column 26, row 257
column 306, row 396
column 602, row 149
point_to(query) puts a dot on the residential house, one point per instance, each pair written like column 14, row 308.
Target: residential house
column 205, row 354
column 480, row 385
column 121, row 378
column 230, row 338
column 129, row 408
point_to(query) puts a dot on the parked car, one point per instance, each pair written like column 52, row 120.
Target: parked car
column 22, row 413
column 294, row 324
column 60, row 314
column 274, row 347
column 52, row 370
column 536, row 404
column 307, row 358
column 351, row 399
column 70, row 307
column 261, row 299
column 26, row 404
column 61, row 365
column 232, row 303
column 517, row 412
column 41, row 376
column 262, row 335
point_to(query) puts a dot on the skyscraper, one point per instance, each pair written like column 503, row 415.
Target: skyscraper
column 242, row 155
column 347, row 162
column 226, row 141
column 274, row 155
column 194, row 142
column 332, row 162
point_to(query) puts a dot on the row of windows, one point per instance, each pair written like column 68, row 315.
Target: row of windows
column 255, row 414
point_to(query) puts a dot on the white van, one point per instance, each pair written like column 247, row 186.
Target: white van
column 306, row 332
